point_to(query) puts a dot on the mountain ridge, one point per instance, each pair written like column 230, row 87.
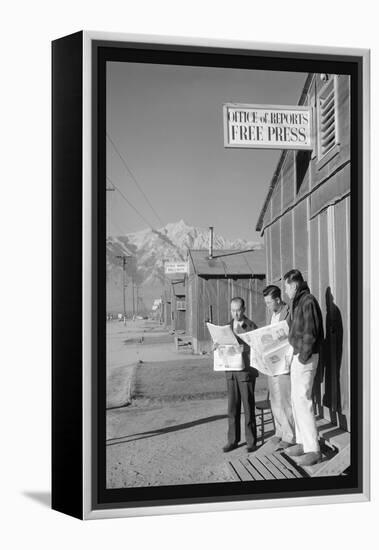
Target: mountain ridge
column 148, row 249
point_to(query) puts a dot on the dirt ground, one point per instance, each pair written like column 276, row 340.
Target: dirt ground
column 173, row 430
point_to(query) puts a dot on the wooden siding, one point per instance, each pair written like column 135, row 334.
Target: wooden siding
column 275, row 252
column 277, row 199
column 178, row 317
column 286, row 243
column 288, row 181
column 338, row 186
column 211, row 301
column 311, row 232
column 300, row 228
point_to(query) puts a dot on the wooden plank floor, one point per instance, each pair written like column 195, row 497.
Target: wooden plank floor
column 258, row 468
column 269, row 463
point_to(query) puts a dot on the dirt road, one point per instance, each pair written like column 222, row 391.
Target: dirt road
column 174, row 429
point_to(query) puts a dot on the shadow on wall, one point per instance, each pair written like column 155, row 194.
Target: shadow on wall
column 303, row 159
column 329, row 367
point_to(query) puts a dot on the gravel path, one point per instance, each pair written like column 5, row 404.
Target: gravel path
column 174, row 429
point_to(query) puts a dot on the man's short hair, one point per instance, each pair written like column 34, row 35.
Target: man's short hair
column 293, row 276
column 273, row 291
column 238, row 299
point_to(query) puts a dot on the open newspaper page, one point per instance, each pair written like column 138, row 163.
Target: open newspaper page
column 269, row 347
column 228, row 354
column 222, row 335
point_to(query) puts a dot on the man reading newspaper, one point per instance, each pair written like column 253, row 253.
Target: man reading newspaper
column 280, row 384
column 241, row 384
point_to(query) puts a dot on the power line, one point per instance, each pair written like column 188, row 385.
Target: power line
column 164, row 238
column 134, row 178
column 112, row 220
column 129, row 203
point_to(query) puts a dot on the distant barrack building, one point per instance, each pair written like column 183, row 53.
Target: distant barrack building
column 174, row 303
column 211, row 284
column 178, row 305
column 305, row 221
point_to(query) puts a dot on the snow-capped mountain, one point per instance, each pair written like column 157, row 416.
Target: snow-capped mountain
column 147, row 250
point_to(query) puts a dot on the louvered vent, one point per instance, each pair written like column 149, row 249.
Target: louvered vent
column 328, row 134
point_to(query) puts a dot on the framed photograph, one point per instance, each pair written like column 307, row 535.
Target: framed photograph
column 210, row 275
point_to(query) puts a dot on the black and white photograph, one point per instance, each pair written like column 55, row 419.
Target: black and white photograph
column 189, row 298
column 228, row 293
column 214, row 342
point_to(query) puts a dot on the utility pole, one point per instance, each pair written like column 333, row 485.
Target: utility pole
column 124, row 285
column 133, row 296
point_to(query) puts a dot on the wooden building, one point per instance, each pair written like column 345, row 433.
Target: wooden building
column 305, row 221
column 178, row 305
column 212, row 283
column 166, row 305
column 174, row 304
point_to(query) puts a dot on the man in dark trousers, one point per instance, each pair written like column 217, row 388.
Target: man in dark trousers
column 241, row 385
column 305, row 337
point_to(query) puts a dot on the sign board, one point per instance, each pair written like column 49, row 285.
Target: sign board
column 267, row 126
column 176, row 267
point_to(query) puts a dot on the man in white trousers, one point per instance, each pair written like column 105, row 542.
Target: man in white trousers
column 305, row 337
column 280, row 386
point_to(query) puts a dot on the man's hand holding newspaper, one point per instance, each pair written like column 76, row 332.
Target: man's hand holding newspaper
column 253, row 359
column 270, row 351
column 227, row 351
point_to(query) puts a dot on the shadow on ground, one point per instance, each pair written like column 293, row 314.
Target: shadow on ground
column 168, row 429
column 42, row 497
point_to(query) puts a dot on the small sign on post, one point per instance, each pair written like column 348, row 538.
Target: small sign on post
column 267, row 126
column 176, row 267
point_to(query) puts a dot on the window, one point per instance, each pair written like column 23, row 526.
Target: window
column 181, row 305
column 327, row 118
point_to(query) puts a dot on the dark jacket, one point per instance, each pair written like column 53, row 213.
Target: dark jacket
column 248, row 372
column 306, row 331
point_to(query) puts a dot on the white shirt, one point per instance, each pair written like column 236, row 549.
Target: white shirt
column 276, row 316
column 237, row 326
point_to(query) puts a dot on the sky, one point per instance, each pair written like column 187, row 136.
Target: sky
column 167, row 125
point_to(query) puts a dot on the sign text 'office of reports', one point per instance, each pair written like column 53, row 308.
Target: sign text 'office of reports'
column 267, row 126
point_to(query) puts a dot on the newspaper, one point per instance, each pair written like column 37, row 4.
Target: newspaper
column 269, row 348
column 222, row 335
column 228, row 353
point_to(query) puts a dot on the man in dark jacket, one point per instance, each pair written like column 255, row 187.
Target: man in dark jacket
column 241, row 385
column 305, row 337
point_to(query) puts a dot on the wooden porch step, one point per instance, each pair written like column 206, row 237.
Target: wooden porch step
column 328, row 433
column 333, row 435
column 269, row 463
column 332, row 464
column 258, row 468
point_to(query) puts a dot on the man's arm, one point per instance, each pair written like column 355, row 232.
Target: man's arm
column 311, row 331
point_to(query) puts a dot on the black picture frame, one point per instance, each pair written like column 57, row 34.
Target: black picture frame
column 79, row 308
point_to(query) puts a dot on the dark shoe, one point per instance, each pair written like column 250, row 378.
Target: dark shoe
column 285, row 445
column 309, row 459
column 251, row 448
column 229, row 447
column 295, row 450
